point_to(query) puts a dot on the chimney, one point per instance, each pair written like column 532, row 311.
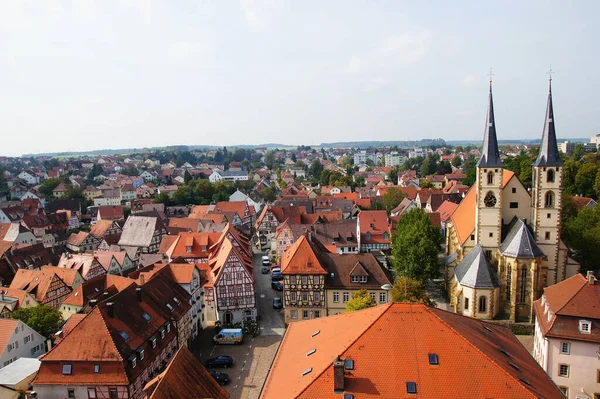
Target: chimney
column 138, row 292
column 110, row 306
column 338, row 375
column 590, row 277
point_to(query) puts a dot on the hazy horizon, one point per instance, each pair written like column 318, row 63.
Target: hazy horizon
column 87, row 75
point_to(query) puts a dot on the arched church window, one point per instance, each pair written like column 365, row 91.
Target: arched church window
column 490, row 178
column 482, row 304
column 489, row 200
column 550, row 176
column 508, row 280
column 549, row 200
column 523, row 284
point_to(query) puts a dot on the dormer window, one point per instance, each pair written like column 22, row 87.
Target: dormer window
column 550, row 315
column 188, row 249
column 585, row 327
column 368, row 236
column 385, row 235
column 168, row 327
column 358, row 279
column 140, row 352
column 153, row 342
column 133, row 361
column 162, row 332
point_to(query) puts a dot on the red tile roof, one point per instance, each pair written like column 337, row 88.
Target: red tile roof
column 569, row 301
column 301, row 258
column 390, row 344
column 184, row 377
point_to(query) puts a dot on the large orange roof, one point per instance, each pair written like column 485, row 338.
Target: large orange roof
column 390, row 344
column 184, row 376
column 301, row 258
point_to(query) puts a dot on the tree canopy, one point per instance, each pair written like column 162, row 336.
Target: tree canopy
column 392, row 198
column 42, row 318
column 582, row 234
column 410, row 290
column 360, row 300
column 416, row 245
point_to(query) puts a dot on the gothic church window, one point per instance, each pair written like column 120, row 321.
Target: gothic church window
column 490, row 178
column 523, row 284
column 549, row 201
column 508, row 280
column 550, row 176
column 482, row 304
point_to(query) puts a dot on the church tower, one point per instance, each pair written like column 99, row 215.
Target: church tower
column 547, row 197
column 489, row 188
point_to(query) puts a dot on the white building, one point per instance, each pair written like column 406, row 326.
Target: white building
column 18, row 340
column 567, row 335
column 418, row 152
column 362, row 157
column 228, row 175
column 566, row 147
column 29, row 178
column 394, row 159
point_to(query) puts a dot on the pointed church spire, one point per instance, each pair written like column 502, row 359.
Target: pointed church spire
column 490, row 157
column 548, row 155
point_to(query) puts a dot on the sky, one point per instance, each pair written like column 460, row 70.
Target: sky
column 82, row 75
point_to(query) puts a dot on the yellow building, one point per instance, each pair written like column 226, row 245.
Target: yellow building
column 517, row 234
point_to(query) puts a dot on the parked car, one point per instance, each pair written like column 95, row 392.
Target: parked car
column 229, row 336
column 277, row 285
column 266, row 261
column 221, row 378
column 276, row 276
column 277, row 304
column 220, row 361
column 264, row 270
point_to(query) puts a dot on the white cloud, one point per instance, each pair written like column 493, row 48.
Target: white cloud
column 470, row 80
column 407, row 48
column 260, row 12
column 398, row 50
column 186, row 49
column 376, row 84
column 453, row 49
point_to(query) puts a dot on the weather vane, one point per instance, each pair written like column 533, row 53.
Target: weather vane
column 490, row 75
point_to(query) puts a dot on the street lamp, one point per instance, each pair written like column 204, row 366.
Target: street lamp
column 387, row 287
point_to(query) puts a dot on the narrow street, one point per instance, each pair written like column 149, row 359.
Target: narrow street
column 254, row 357
column 271, row 320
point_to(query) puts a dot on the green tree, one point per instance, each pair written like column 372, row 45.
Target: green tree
column 392, row 198
column 585, row 180
column 578, row 152
column 410, row 290
column 42, row 318
column 4, row 190
column 163, row 198
column 270, row 159
column 48, row 186
column 187, row 177
column 425, row 183
column 456, row 161
column 443, row 168
column 268, row 194
column 361, row 299
column 416, row 245
column 325, row 176
column 470, row 169
column 582, row 235
column 315, row 169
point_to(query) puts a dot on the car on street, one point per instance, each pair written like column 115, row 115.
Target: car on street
column 219, row 361
column 276, row 276
column 277, row 285
column 264, row 270
column 277, row 304
column 266, row 261
column 221, row 378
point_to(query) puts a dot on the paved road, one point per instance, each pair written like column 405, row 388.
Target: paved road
column 254, row 357
column 271, row 320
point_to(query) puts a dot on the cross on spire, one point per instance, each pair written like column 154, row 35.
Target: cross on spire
column 490, row 75
column 550, row 72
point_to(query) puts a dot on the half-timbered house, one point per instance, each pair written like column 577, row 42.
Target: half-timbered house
column 47, row 287
column 232, row 283
column 303, row 281
column 86, row 264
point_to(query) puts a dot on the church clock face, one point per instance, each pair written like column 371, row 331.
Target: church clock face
column 490, row 200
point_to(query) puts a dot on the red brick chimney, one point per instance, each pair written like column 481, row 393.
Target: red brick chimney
column 338, row 375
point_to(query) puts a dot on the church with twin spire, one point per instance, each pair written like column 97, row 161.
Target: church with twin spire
column 503, row 242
